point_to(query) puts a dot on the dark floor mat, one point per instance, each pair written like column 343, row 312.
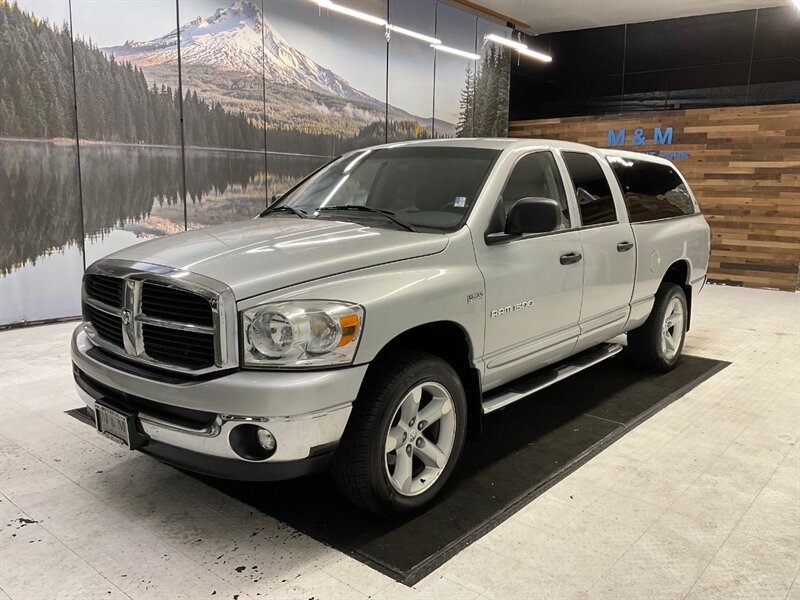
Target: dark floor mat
column 525, row 449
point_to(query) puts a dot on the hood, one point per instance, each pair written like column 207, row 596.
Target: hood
column 261, row 255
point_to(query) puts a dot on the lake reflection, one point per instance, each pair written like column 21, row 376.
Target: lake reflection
column 133, row 190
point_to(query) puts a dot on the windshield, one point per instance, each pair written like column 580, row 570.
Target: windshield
column 422, row 187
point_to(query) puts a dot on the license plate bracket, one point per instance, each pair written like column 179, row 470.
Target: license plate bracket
column 119, row 425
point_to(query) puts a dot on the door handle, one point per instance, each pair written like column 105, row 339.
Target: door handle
column 571, row 258
column 624, row 246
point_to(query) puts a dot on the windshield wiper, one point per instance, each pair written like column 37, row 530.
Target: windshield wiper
column 380, row 211
column 291, row 209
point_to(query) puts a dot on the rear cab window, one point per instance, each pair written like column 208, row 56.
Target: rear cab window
column 652, row 191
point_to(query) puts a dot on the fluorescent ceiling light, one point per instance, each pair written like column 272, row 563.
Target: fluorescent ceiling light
column 797, row 4
column 350, row 12
column 455, row 51
column 425, row 38
column 537, row 55
column 522, row 48
column 506, row 42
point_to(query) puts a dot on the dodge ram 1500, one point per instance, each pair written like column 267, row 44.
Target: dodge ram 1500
column 385, row 304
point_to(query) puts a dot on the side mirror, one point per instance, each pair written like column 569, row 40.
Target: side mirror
column 533, row 215
column 275, row 198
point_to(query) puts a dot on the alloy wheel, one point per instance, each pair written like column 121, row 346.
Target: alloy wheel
column 672, row 330
column 420, row 438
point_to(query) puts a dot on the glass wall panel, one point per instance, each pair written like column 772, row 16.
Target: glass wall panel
column 222, row 70
column 455, row 77
column 126, row 68
column 41, row 258
column 490, row 97
column 410, row 72
column 224, row 185
column 358, row 56
column 325, row 78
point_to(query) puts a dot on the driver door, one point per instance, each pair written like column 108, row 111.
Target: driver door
column 533, row 283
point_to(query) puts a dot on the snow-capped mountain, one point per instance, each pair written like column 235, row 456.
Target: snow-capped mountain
column 231, row 40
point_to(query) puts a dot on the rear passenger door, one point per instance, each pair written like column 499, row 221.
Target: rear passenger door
column 667, row 224
column 609, row 250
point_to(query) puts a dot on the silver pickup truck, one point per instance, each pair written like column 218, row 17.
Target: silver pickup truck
column 380, row 308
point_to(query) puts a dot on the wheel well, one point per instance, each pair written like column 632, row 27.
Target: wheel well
column 678, row 273
column 450, row 342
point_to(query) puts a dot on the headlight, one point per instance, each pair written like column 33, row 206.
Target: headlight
column 301, row 333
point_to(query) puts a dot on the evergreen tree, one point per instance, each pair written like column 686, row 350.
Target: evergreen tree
column 483, row 108
column 464, row 127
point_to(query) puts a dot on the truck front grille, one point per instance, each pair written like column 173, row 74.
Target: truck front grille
column 107, row 326
column 106, row 289
column 168, row 322
column 176, row 305
column 185, row 348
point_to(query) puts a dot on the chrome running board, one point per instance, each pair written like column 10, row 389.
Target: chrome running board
column 538, row 380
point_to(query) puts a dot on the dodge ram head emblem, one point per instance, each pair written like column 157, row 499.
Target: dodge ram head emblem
column 126, row 317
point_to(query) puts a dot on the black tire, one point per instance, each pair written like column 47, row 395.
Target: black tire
column 645, row 347
column 359, row 468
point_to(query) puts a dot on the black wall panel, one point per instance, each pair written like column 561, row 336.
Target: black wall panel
column 728, row 59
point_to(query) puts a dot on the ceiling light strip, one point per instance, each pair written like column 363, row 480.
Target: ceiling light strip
column 537, row 55
column 492, row 37
column 357, row 14
column 435, row 43
column 420, row 36
column 455, row 51
column 519, row 47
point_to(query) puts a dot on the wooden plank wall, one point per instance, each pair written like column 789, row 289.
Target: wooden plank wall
column 744, row 167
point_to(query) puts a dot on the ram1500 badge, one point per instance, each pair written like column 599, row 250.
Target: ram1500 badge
column 352, row 325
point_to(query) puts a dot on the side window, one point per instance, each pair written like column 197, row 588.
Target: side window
column 591, row 189
column 534, row 176
column 652, row 191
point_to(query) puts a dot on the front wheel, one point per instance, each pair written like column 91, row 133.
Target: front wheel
column 405, row 434
column 658, row 343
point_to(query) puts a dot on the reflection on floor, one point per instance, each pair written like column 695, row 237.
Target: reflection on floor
column 702, row 500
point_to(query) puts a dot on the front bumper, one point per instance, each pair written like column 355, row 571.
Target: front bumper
column 188, row 422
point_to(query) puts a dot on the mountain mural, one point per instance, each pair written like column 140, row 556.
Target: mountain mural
column 222, row 58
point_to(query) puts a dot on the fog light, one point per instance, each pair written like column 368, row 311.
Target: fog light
column 251, row 442
column 267, row 440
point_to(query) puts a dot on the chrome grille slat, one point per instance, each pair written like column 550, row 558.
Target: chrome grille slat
column 163, row 317
column 108, row 290
column 175, row 304
column 107, row 325
column 104, row 307
column 148, row 320
column 195, row 350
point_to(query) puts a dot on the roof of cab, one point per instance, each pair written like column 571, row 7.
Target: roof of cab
column 511, row 143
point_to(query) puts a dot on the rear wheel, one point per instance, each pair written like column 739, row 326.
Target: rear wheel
column 405, row 434
column 658, row 343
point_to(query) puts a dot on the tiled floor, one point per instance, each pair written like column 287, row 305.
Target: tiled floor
column 701, row 501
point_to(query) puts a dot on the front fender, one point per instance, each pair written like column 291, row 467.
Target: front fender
column 402, row 295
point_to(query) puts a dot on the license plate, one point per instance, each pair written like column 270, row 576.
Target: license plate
column 113, row 424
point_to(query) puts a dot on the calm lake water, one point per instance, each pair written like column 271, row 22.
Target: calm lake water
column 130, row 194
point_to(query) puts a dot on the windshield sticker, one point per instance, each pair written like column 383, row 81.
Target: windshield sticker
column 460, row 202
